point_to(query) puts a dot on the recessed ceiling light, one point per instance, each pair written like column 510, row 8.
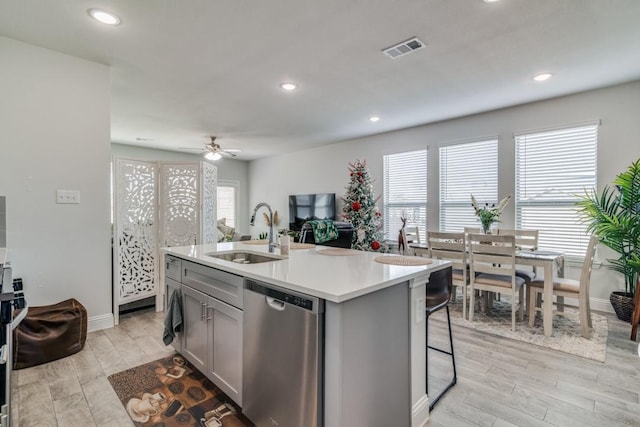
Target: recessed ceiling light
column 374, row 119
column 542, row 77
column 104, row 17
column 288, row 86
column 491, row 1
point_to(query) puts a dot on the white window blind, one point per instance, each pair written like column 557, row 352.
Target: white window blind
column 552, row 169
column 405, row 192
column 466, row 169
column 227, row 204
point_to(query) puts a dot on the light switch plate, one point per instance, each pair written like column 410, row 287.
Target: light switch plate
column 67, row 197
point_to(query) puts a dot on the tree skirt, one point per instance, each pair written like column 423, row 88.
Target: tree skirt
column 567, row 332
column 171, row 392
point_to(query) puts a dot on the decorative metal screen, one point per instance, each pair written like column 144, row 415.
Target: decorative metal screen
column 158, row 204
column 180, row 213
column 209, row 208
column 136, row 230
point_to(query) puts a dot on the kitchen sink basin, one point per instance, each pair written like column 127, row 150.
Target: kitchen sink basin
column 244, row 257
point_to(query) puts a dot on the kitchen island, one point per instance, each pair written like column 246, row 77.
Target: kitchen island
column 373, row 345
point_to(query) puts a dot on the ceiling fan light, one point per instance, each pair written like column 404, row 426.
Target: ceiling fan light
column 212, row 156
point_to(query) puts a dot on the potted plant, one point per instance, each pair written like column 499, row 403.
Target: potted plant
column 488, row 214
column 614, row 217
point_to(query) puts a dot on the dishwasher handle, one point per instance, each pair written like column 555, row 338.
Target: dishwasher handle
column 274, row 303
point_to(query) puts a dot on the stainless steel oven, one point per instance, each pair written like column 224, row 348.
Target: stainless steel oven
column 9, row 322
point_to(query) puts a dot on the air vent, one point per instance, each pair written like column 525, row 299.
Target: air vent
column 403, row 48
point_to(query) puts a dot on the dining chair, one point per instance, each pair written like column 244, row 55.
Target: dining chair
column 493, row 269
column 571, row 288
column 525, row 240
column 412, row 233
column 452, row 247
column 472, row 230
column 438, row 296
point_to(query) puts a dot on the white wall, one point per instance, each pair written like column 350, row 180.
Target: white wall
column 228, row 170
column 324, row 169
column 55, row 132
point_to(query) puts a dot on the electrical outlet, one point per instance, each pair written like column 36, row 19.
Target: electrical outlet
column 67, row 197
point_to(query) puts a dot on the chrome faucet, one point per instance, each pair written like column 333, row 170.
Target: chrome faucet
column 272, row 244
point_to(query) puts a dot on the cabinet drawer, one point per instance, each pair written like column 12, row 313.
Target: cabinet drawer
column 173, row 267
column 225, row 286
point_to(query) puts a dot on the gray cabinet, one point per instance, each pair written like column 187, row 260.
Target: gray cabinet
column 195, row 346
column 211, row 338
column 225, row 351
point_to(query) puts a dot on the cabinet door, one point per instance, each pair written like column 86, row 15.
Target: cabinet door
column 172, row 286
column 194, row 340
column 225, row 354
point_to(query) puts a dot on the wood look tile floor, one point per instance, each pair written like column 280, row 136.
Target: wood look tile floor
column 500, row 382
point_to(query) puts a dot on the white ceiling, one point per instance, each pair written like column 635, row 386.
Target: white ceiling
column 184, row 70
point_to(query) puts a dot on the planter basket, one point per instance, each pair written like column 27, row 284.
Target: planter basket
column 622, row 303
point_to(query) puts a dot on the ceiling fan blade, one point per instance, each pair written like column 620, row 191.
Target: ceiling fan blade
column 227, row 153
column 233, row 150
column 190, row 148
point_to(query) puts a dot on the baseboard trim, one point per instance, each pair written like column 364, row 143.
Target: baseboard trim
column 597, row 304
column 420, row 412
column 103, row 321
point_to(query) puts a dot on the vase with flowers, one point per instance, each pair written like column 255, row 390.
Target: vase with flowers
column 488, row 214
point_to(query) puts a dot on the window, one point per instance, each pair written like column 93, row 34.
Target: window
column 466, row 169
column 405, row 191
column 552, row 168
column 227, row 202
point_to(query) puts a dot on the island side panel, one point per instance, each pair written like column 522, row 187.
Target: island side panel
column 368, row 360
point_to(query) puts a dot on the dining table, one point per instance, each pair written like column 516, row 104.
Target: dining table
column 552, row 262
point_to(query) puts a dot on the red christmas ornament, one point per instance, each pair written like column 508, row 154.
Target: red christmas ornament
column 355, row 206
column 378, row 214
column 359, row 173
column 375, row 245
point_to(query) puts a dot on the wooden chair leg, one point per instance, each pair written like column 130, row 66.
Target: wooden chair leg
column 560, row 303
column 532, row 305
column 521, row 303
column 464, row 301
column 472, row 306
column 584, row 317
column 513, row 311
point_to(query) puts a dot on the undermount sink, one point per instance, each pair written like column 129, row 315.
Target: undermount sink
column 244, row 257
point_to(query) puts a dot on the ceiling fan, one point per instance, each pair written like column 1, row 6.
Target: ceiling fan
column 213, row 151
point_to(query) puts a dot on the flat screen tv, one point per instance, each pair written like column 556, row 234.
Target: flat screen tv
column 305, row 207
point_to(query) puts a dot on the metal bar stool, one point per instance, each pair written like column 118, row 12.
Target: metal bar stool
column 439, row 291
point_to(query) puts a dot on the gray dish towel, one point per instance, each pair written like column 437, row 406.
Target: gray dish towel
column 173, row 318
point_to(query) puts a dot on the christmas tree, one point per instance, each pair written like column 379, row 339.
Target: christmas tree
column 359, row 207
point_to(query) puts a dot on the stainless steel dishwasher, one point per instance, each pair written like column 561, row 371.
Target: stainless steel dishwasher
column 282, row 357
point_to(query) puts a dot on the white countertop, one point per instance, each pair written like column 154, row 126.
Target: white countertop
column 333, row 278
